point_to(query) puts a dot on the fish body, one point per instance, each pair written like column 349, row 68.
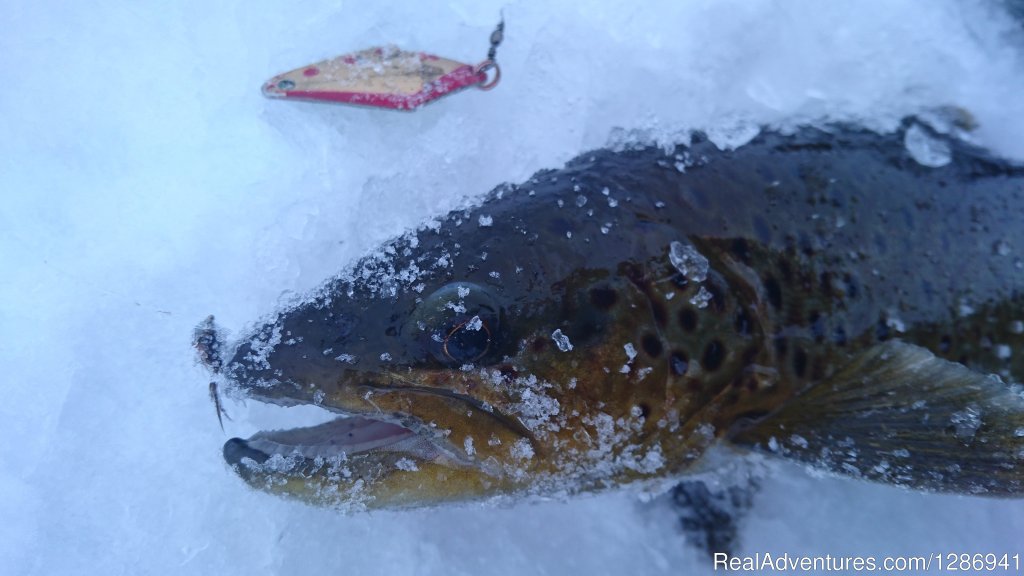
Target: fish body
column 819, row 295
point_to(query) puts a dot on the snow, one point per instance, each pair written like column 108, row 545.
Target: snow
column 147, row 183
column 561, row 340
column 925, row 149
column 690, row 263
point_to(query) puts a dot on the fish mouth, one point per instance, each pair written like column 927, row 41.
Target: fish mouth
column 341, row 439
column 381, row 457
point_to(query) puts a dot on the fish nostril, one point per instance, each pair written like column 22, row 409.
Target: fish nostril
column 342, row 327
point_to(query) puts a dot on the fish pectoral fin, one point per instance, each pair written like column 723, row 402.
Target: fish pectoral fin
column 900, row 415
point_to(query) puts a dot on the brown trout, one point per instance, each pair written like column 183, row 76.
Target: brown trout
column 821, row 296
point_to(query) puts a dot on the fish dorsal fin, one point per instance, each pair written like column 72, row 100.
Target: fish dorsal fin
column 898, row 414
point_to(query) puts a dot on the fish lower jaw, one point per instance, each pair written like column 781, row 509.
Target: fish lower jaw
column 358, row 440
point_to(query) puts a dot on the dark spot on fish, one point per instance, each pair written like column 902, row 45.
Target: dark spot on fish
column 786, row 269
column 825, row 281
column 688, row 319
column 603, row 298
column 743, row 323
column 741, row 250
column 781, row 347
column 839, row 336
column 651, row 345
column 645, row 410
column 680, row 281
column 391, row 331
column 507, row 371
column 659, row 312
column 945, row 344
column 773, row 291
column 817, row 325
column 800, row 362
column 807, row 245
column 714, row 354
column 539, row 344
column 679, row 362
column 851, row 285
column 882, row 330
column 717, row 302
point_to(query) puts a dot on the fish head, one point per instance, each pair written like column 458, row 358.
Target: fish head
column 499, row 352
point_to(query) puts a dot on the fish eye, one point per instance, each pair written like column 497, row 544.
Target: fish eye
column 459, row 323
column 285, row 85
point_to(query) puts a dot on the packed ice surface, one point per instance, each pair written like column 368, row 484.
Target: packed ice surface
column 146, row 183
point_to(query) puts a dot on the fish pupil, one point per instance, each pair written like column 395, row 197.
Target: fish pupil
column 465, row 344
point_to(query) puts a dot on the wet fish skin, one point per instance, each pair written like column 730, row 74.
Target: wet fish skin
column 821, row 248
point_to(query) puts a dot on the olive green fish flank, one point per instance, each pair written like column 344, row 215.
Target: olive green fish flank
column 819, row 295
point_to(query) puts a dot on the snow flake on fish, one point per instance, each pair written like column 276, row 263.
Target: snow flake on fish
column 521, row 449
column 346, row 358
column 262, row 344
column 926, row 149
column 690, row 263
column 966, row 423
column 701, row 298
column 485, row 221
column 406, row 464
column 630, row 352
column 965, row 309
column 561, row 340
